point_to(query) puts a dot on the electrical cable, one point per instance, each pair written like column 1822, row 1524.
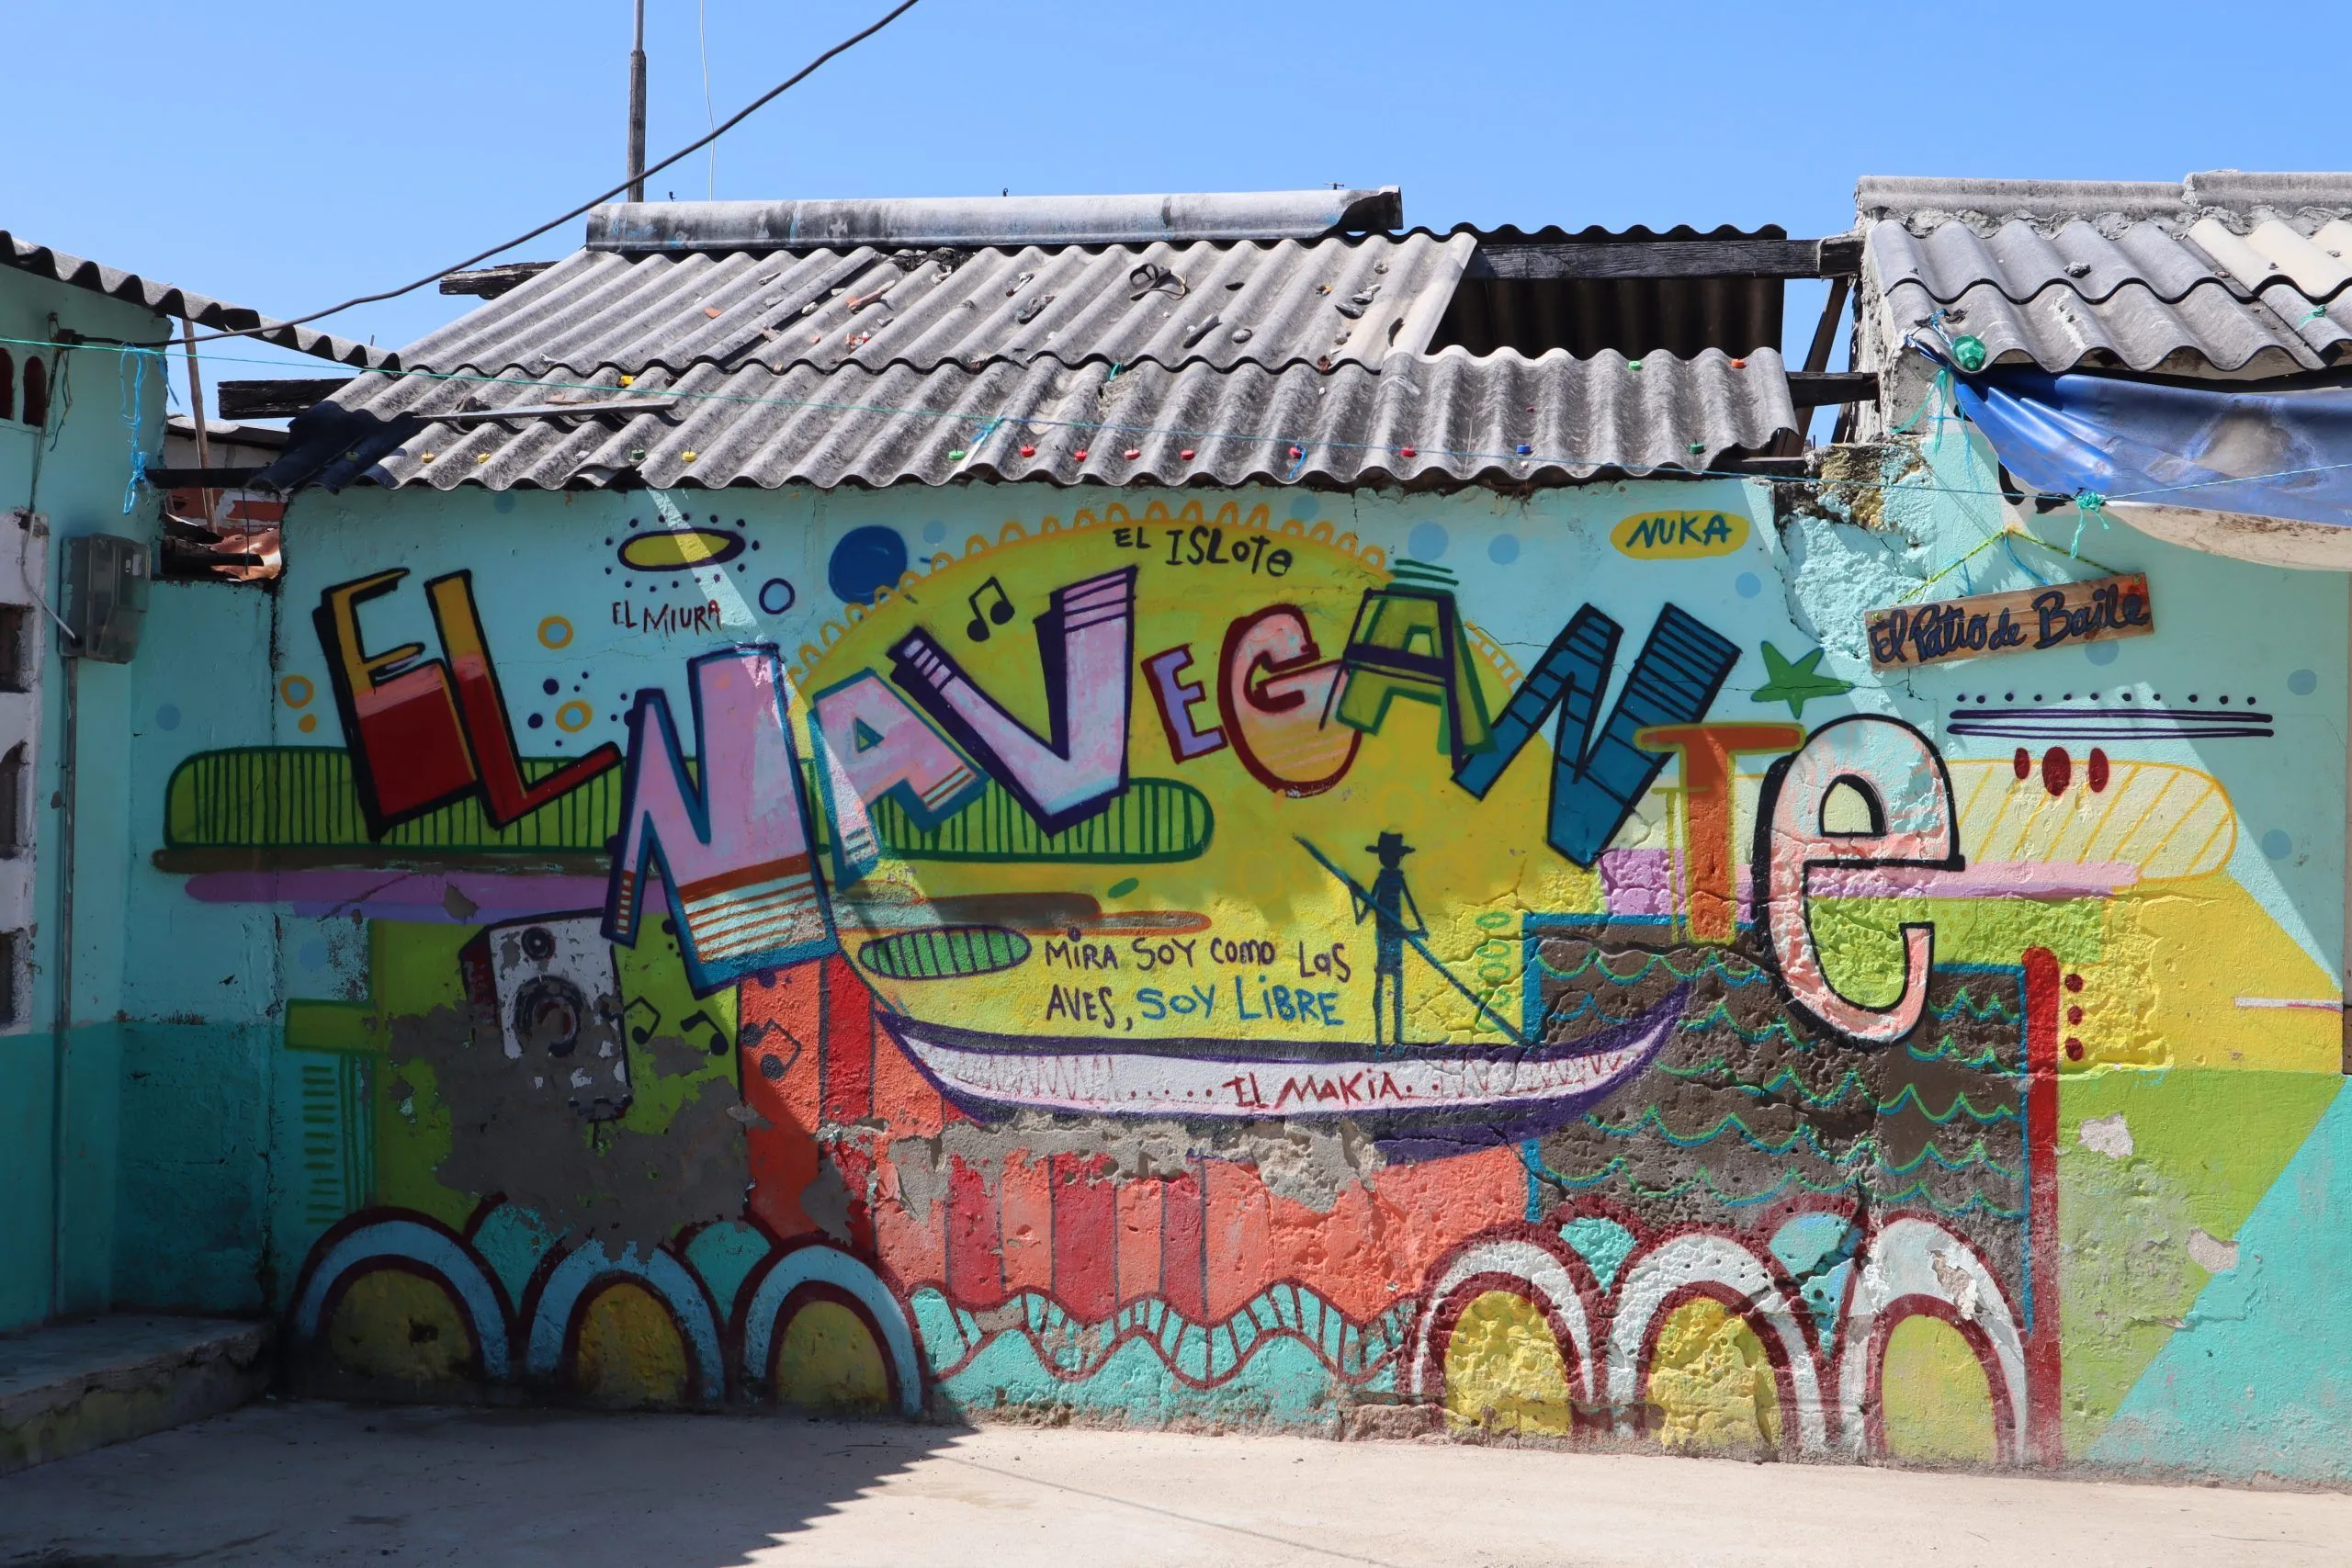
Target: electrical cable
column 689, row 149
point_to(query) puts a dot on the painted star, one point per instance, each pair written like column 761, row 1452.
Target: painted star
column 1796, row 684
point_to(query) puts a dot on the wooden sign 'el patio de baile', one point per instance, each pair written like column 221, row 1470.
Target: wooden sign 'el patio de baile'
column 2062, row 616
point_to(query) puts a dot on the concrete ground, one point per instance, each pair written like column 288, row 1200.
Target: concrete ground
column 284, row 1484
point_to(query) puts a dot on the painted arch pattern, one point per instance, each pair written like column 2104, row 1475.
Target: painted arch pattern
column 731, row 1356
column 1826, row 1367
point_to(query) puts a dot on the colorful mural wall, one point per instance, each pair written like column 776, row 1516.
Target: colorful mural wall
column 1364, row 963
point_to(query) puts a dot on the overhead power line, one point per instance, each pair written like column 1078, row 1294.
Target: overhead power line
column 602, row 196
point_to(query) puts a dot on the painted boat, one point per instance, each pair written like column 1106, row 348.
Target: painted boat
column 1441, row 1096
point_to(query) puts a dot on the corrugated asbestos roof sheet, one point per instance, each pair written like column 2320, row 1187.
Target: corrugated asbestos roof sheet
column 2226, row 273
column 1218, row 304
column 1214, row 362
column 1436, row 419
column 166, row 300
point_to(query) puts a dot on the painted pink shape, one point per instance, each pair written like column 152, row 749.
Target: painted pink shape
column 1086, row 645
column 872, row 744
column 734, row 846
column 1176, row 696
column 1902, row 779
column 1274, row 689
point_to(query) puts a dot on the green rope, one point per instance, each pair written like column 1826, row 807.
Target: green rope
column 2087, row 505
column 1936, row 393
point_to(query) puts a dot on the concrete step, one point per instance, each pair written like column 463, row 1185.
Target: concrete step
column 82, row 1385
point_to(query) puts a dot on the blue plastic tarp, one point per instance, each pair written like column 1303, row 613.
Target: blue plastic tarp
column 2273, row 454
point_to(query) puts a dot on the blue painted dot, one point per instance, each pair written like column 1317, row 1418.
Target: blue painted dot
column 933, row 531
column 2278, row 844
column 1427, row 541
column 313, row 954
column 1503, row 548
column 167, row 717
column 867, row 559
column 536, row 720
column 776, row 595
column 1304, row 507
column 504, row 503
column 2302, row 683
column 2101, row 652
column 1747, row 585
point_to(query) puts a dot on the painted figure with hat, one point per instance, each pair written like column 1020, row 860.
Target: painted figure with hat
column 1389, row 901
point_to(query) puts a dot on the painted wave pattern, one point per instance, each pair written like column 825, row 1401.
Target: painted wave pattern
column 1200, row 1355
column 1749, row 1104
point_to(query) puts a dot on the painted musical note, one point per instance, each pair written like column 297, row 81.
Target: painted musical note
column 999, row 611
column 717, row 1036
column 644, row 1032
column 773, row 1065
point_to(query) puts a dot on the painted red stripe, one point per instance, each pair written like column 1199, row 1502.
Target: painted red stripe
column 1183, row 1277
column 2045, row 1431
column 975, row 1252
column 1086, row 1224
column 848, row 1044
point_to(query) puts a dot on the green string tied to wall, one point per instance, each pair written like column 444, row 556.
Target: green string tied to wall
column 1937, row 393
column 2088, row 504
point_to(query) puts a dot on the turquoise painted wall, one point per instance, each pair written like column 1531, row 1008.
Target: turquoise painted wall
column 165, row 1195
column 82, row 468
column 201, row 1134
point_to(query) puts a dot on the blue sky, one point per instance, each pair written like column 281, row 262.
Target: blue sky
column 285, row 155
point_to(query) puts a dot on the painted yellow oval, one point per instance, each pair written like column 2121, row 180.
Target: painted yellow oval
column 680, row 549
column 1679, row 536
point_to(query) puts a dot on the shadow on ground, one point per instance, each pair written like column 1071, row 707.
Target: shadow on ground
column 322, row 1483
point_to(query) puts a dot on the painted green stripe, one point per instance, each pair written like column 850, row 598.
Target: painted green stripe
column 941, row 952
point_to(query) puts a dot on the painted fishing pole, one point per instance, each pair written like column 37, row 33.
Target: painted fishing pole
column 1358, row 890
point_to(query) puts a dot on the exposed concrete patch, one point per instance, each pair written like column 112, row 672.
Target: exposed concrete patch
column 2109, row 1135
column 2212, row 1254
column 826, row 1202
column 596, row 1179
column 1959, row 1282
column 1309, row 1165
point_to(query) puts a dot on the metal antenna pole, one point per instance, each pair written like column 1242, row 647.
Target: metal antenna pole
column 637, row 110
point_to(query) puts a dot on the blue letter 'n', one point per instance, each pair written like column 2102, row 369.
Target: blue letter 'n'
column 1596, row 783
